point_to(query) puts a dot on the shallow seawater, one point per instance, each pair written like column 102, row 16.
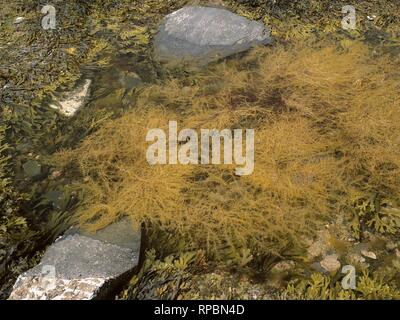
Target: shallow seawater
column 115, row 88
column 326, row 121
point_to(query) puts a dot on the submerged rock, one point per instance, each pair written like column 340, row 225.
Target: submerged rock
column 79, row 267
column 18, row 20
column 74, row 100
column 205, row 34
column 32, row 168
column 115, row 88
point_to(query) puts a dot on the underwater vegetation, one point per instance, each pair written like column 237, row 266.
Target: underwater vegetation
column 162, row 279
column 327, row 133
column 189, row 276
column 321, row 287
column 324, row 104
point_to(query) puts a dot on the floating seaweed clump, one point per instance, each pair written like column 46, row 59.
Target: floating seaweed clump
column 326, row 122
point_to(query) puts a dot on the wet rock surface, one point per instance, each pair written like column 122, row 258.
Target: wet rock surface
column 73, row 100
column 79, row 267
column 204, row 34
column 22, row 57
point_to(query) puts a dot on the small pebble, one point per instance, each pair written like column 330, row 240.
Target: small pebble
column 19, row 20
column 55, row 174
column 368, row 254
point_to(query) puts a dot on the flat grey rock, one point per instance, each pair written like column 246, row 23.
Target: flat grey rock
column 204, row 34
column 74, row 100
column 79, row 257
column 79, row 267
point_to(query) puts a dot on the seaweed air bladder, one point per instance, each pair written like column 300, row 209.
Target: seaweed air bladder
column 327, row 127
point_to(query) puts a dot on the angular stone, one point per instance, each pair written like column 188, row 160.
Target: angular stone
column 205, row 34
column 74, row 100
column 368, row 254
column 79, row 267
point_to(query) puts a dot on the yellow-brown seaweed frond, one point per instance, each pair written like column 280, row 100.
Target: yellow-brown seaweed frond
column 327, row 128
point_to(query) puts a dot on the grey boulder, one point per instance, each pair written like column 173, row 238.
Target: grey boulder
column 82, row 266
column 204, row 34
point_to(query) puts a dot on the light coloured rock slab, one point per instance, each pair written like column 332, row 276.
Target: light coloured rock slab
column 77, row 267
column 74, row 100
column 46, row 287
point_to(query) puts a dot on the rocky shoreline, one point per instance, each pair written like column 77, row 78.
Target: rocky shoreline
column 91, row 70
